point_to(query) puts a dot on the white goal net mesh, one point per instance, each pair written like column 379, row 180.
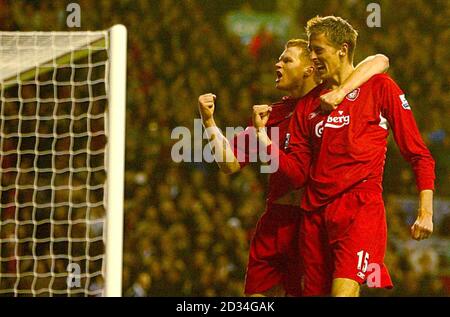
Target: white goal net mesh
column 53, row 137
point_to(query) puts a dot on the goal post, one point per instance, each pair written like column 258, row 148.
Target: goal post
column 116, row 161
column 62, row 145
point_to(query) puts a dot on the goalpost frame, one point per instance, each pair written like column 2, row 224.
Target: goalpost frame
column 115, row 161
column 114, row 154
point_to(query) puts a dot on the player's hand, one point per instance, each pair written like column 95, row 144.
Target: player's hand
column 423, row 227
column 206, row 106
column 332, row 99
column 261, row 115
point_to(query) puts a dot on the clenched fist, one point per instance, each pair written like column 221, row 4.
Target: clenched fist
column 422, row 227
column 206, row 106
column 261, row 115
column 332, row 99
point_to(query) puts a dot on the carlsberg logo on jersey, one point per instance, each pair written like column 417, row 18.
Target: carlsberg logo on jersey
column 332, row 122
column 337, row 122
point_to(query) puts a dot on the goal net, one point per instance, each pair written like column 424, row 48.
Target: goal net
column 62, row 130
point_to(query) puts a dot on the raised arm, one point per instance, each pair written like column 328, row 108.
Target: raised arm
column 223, row 153
column 372, row 65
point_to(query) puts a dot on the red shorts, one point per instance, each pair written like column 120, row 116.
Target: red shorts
column 345, row 239
column 274, row 254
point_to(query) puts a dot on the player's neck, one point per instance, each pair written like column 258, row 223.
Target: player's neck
column 340, row 76
column 307, row 86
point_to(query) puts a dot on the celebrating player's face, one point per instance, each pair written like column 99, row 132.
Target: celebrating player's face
column 324, row 56
column 289, row 70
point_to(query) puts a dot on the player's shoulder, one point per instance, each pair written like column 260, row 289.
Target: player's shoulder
column 380, row 80
column 282, row 110
column 278, row 103
column 286, row 101
column 286, row 105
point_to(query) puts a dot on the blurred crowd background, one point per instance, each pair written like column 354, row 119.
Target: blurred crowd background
column 187, row 226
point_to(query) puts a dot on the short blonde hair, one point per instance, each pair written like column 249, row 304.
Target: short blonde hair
column 336, row 29
column 303, row 44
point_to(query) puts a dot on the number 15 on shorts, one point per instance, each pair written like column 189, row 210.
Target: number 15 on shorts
column 363, row 260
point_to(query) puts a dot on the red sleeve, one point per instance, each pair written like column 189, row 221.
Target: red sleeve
column 295, row 163
column 396, row 110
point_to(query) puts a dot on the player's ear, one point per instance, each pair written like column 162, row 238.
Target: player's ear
column 308, row 71
column 344, row 50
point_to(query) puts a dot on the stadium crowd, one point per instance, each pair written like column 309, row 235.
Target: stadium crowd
column 188, row 226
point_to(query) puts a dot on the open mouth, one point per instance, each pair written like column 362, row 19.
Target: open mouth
column 320, row 68
column 279, row 76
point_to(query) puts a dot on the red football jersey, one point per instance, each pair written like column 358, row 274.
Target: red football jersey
column 245, row 150
column 347, row 147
